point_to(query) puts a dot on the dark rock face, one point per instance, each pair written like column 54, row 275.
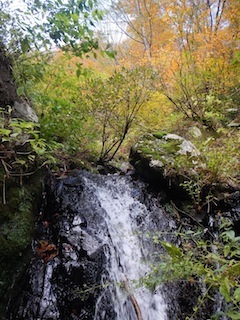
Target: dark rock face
column 81, row 269
column 17, row 219
column 93, row 247
column 8, row 93
column 63, row 279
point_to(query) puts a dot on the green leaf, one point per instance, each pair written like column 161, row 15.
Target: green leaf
column 25, row 46
column 20, row 161
column 188, row 231
column 172, row 250
column 155, row 239
column 110, row 54
column 234, row 315
column 20, row 91
column 15, row 134
column 235, row 253
column 5, row 132
column 230, row 234
column 237, row 294
column 31, row 157
column 5, row 139
column 225, row 290
column 226, row 250
column 235, row 269
column 79, row 72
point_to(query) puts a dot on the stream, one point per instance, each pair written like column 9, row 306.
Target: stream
column 94, row 245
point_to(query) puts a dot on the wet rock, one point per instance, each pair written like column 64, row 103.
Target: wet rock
column 83, row 279
column 126, row 167
column 91, row 244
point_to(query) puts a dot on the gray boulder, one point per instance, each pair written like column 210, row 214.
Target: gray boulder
column 24, row 111
column 165, row 159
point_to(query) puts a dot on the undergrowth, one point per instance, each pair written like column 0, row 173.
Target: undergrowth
column 213, row 265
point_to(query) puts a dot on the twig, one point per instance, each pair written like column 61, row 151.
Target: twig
column 6, row 175
column 26, row 174
column 7, row 151
column 4, row 189
column 133, row 300
column 191, row 217
column 4, row 164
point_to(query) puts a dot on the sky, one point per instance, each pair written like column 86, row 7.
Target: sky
column 17, row 4
column 108, row 27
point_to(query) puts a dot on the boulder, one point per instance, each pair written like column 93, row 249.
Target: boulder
column 24, row 111
column 165, row 159
column 8, row 91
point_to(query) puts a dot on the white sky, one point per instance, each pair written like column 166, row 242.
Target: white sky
column 109, row 28
column 17, row 4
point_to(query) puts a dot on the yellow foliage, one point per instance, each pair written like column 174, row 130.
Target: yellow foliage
column 155, row 114
column 191, row 44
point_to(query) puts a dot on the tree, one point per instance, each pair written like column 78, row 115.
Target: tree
column 32, row 34
column 115, row 104
column 45, row 24
column 206, row 46
column 143, row 22
column 193, row 44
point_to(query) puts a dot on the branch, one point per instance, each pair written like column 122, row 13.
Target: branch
column 219, row 14
column 133, row 300
column 191, row 217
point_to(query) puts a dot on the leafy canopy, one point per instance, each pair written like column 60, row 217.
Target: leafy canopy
column 47, row 24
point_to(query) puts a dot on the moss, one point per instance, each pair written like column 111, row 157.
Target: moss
column 17, row 218
column 162, row 163
column 159, row 134
column 162, row 150
column 171, row 146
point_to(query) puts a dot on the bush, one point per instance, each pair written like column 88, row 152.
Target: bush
column 214, row 266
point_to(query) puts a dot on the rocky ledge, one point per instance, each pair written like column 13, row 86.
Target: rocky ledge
column 173, row 162
column 165, row 159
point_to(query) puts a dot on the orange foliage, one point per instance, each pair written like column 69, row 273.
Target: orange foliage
column 199, row 38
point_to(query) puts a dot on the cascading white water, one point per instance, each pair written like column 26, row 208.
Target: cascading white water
column 102, row 230
column 100, row 227
column 127, row 258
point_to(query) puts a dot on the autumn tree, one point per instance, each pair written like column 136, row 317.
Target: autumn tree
column 144, row 23
column 193, row 44
column 206, row 46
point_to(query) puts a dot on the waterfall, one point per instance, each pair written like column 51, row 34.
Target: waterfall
column 92, row 248
column 127, row 259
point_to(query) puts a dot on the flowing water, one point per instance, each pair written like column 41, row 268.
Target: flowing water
column 94, row 244
column 127, row 257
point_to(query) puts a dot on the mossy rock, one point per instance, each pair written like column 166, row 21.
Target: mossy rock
column 165, row 159
column 17, row 223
